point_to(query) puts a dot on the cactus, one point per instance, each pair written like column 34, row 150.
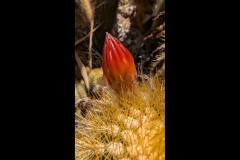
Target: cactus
column 95, row 77
column 126, row 121
column 129, row 126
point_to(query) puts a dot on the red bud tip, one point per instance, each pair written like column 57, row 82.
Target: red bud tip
column 118, row 64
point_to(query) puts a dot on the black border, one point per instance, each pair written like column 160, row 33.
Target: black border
column 41, row 80
column 184, row 82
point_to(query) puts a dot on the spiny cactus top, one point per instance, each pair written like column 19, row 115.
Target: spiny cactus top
column 118, row 65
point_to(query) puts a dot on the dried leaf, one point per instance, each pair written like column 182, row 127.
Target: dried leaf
column 82, row 70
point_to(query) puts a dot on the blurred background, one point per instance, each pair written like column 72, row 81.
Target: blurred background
column 138, row 24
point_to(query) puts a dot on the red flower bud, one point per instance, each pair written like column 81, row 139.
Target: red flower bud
column 118, row 65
